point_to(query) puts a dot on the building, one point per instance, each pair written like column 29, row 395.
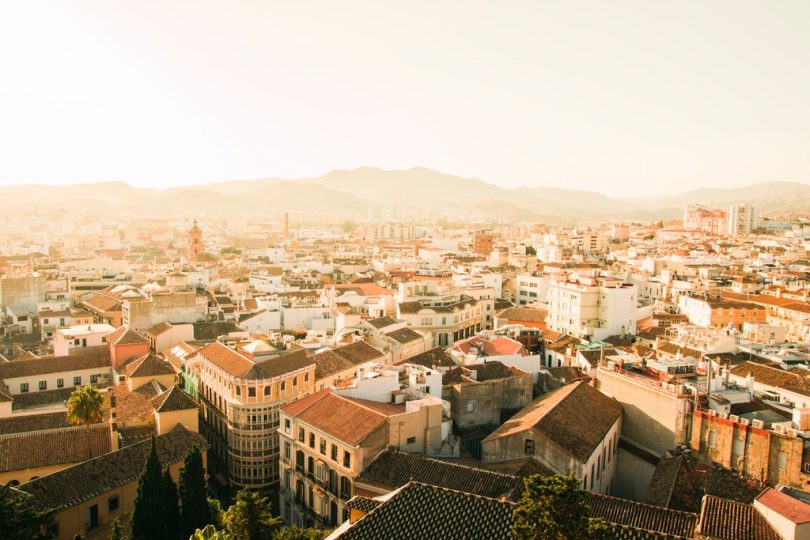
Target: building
column 721, row 312
column 328, row 440
column 90, row 495
column 447, row 313
column 593, row 307
column 194, row 242
column 66, row 340
column 483, row 242
column 741, row 220
column 710, row 221
column 242, row 389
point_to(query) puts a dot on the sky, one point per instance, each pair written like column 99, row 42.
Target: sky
column 647, row 97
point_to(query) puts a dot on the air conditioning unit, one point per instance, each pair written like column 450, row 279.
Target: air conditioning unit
column 744, row 421
column 712, row 412
column 723, row 415
column 758, row 424
column 734, row 418
column 778, row 428
column 792, row 432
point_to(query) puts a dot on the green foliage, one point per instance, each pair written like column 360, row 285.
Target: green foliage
column 531, row 251
column 146, row 522
column 209, row 533
column 84, row 408
column 554, row 508
column 171, row 510
column 648, row 237
column 250, row 517
column 298, row 533
column 19, row 520
column 117, row 532
column 215, row 512
column 348, row 226
column 193, row 494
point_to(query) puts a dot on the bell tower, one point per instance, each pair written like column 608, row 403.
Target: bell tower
column 195, row 245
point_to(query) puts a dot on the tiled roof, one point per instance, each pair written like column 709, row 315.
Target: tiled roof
column 626, row 514
column 32, row 400
column 242, row 367
column 158, row 329
column 382, row 322
column 433, row 358
column 134, row 407
column 33, row 422
column 44, row 448
column 124, row 336
column 719, row 482
column 85, row 358
column 771, row 376
column 335, row 360
column 722, row 519
column 576, row 417
column 364, row 504
column 173, row 399
column 521, row 467
column 404, row 335
column 349, row 420
column 524, row 314
column 788, row 507
column 393, row 468
column 74, row 485
column 148, row 365
column 209, row 331
column 421, row 511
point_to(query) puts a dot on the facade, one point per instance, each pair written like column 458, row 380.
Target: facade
column 741, row 220
column 572, row 430
column 593, row 308
column 483, row 242
column 242, row 389
column 194, row 242
column 447, row 314
column 66, row 340
column 328, row 439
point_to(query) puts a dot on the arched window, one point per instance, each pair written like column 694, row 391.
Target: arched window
column 267, row 390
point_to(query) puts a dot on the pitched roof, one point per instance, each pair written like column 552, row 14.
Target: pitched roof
column 158, row 329
column 335, row 360
column 393, row 468
column 173, row 399
column 576, row 417
column 434, row 358
column 404, row 335
column 148, row 365
column 626, row 514
column 84, row 358
column 786, row 506
column 100, row 475
column 346, row 419
column 382, row 322
column 242, row 367
column 48, row 447
column 419, row 510
column 722, row 519
column 523, row 314
column 123, row 335
column 33, row 422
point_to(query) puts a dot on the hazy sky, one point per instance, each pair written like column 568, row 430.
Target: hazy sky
column 621, row 97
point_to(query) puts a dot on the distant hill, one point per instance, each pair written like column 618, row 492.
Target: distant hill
column 351, row 193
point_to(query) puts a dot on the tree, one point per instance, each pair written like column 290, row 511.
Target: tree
column 209, row 533
column 170, row 511
column 194, row 513
column 298, row 533
column 85, row 408
column 19, row 519
column 215, row 512
column 250, row 517
column 117, row 532
column 146, row 522
column 554, row 508
column 348, row 226
column 531, row 251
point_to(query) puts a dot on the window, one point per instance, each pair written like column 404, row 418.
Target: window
column 23, row 387
column 306, row 377
column 251, row 391
column 411, row 440
column 712, row 439
column 312, row 440
column 93, row 379
column 807, row 467
column 77, row 381
column 442, row 340
column 60, row 383
column 347, row 459
column 112, row 503
column 528, row 447
column 287, row 426
column 295, row 381
column 283, row 385
column 43, row 385
column 266, row 390
column 323, row 447
column 334, row 453
column 238, row 390
column 738, row 447
column 471, row 405
column 301, row 435
column 782, row 460
column 286, row 452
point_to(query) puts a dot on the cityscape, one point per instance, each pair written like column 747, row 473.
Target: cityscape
column 229, row 326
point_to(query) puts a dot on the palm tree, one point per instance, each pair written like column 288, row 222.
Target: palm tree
column 85, row 408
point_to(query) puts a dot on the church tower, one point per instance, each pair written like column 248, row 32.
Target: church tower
column 195, row 245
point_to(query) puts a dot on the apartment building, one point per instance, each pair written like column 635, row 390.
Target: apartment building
column 721, row 312
column 242, row 389
column 592, row 307
column 533, row 288
column 328, row 439
column 741, row 219
column 445, row 312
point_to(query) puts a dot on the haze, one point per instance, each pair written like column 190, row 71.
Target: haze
column 624, row 98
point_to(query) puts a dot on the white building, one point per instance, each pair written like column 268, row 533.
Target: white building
column 740, row 219
column 592, row 307
column 85, row 335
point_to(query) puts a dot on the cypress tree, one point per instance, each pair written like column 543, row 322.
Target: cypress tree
column 194, row 512
column 171, row 510
column 146, row 522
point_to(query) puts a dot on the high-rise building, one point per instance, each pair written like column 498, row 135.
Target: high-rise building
column 195, row 245
column 740, row 219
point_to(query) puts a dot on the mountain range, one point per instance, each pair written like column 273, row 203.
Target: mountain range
column 351, row 193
